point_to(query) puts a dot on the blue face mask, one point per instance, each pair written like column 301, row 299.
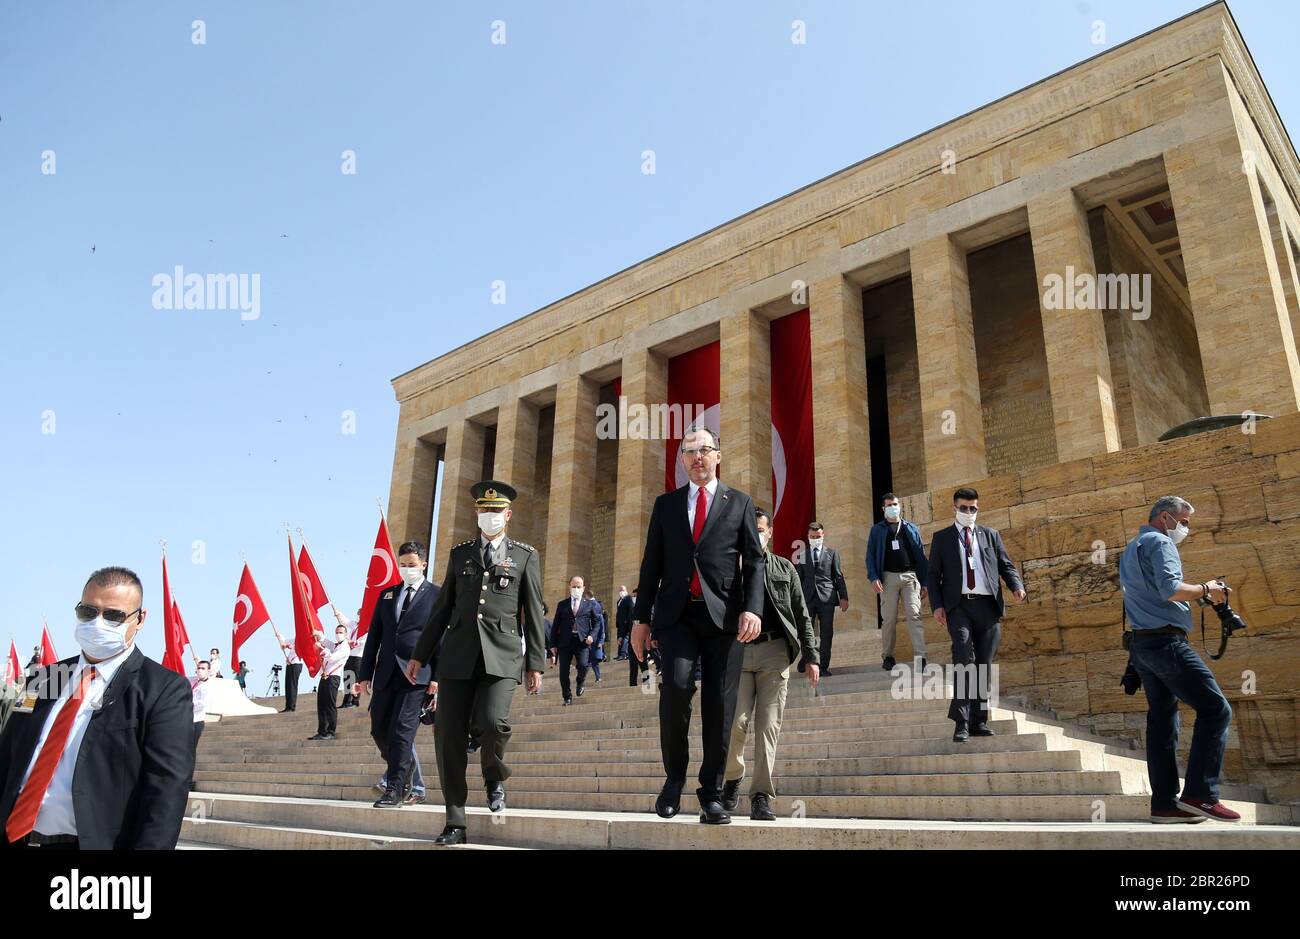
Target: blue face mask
column 893, row 511
column 101, row 640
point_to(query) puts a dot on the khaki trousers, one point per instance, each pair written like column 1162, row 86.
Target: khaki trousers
column 760, row 704
column 907, row 589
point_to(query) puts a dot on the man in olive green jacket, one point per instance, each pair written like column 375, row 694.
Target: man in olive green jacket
column 787, row 632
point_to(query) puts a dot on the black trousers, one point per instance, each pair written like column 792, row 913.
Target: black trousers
column 696, row 638
column 394, row 721
column 327, row 706
column 823, row 614
column 291, row 674
column 350, row 669
column 569, row 650
column 976, row 632
column 198, row 732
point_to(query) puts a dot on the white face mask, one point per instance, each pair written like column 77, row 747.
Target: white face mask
column 203, row 676
column 1177, row 532
column 491, row 523
column 763, row 538
column 622, row 594
column 815, row 542
column 575, row 593
column 100, row 639
column 411, row 575
column 892, row 512
column 966, row 519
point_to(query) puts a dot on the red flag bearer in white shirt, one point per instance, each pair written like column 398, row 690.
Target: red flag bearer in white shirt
column 334, row 657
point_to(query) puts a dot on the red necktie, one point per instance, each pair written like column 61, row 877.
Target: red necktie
column 28, row 805
column 970, row 570
column 701, row 511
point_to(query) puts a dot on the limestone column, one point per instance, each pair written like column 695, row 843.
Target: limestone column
column 567, row 549
column 746, row 405
column 640, row 463
column 1078, row 364
column 411, row 493
column 841, row 435
column 516, row 463
column 952, row 423
column 1248, row 350
column 462, row 467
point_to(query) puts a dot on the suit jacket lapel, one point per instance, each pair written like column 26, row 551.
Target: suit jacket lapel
column 720, row 497
column 682, row 502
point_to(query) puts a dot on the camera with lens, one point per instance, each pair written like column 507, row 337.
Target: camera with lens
column 1229, row 619
column 275, row 668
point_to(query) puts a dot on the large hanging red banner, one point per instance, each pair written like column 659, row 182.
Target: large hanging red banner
column 794, row 490
column 694, row 390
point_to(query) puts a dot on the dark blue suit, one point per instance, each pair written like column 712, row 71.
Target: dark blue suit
column 571, row 645
column 395, row 702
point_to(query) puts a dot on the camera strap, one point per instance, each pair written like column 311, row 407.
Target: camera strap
column 1223, row 640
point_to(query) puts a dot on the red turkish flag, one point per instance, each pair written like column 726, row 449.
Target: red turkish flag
column 793, row 458
column 250, row 613
column 311, row 581
column 381, row 575
column 14, row 669
column 173, row 647
column 694, row 382
column 48, row 655
column 305, row 622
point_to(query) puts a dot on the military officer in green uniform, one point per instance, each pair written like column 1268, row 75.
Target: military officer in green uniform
column 485, row 635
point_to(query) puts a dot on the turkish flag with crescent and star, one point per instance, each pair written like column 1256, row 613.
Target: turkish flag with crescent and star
column 311, row 581
column 381, row 575
column 48, row 655
column 173, row 649
column 694, row 380
column 305, row 622
column 13, row 668
column 250, row 613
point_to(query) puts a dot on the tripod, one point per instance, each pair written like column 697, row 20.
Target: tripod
column 273, row 690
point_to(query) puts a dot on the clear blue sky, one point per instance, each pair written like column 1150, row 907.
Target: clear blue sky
column 475, row 162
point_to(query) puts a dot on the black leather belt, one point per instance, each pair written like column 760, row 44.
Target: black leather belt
column 1161, row 631
column 977, row 596
column 37, row 840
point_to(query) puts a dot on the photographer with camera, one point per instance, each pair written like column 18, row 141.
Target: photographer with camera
column 1156, row 606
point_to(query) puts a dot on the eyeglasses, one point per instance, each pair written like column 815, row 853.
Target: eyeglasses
column 86, row 613
column 968, row 509
column 699, row 451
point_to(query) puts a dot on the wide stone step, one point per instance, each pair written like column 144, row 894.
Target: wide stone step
column 520, row 827
column 235, row 834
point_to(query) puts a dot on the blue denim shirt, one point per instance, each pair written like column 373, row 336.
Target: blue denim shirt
column 1150, row 570
column 876, row 550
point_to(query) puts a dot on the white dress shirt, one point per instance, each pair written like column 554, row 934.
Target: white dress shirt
column 711, row 489
column 200, row 691
column 336, row 655
column 981, row 582
column 56, row 816
column 290, row 656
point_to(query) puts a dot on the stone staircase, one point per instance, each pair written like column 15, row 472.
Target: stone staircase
column 857, row 768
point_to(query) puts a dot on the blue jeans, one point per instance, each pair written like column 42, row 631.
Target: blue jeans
column 1172, row 671
column 417, row 779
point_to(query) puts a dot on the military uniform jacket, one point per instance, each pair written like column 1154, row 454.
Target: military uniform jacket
column 497, row 611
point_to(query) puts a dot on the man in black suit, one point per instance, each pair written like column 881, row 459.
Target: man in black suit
column 574, row 632
column 395, row 627
column 623, row 621
column 702, row 573
column 966, row 562
column 98, row 753
column 824, row 589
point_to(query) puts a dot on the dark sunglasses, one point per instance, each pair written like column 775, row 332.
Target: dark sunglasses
column 85, row 613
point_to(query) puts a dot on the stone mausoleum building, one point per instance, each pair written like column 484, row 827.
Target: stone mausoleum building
column 954, row 287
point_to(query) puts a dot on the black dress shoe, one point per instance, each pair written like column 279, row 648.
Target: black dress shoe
column 567, row 702
column 712, row 813
column 327, row 736
column 390, row 799
column 472, row 746
column 981, row 730
column 887, row 662
column 961, row 734
column 581, row 691
column 496, row 796
column 825, row 673
column 316, row 737
column 452, row 835
column 760, row 808
column 414, row 798
column 669, row 802
column 731, row 794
